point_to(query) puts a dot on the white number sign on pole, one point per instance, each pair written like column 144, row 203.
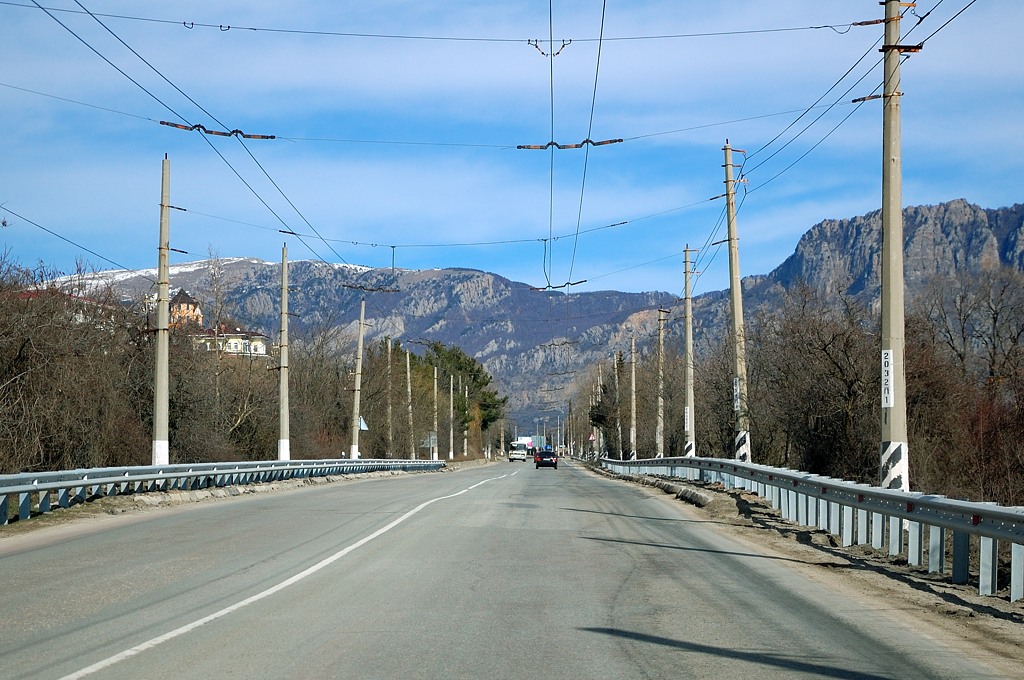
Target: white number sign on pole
column 887, row 386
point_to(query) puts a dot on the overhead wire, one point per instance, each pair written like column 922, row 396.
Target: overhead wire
column 586, row 156
column 69, row 241
column 112, row 64
column 224, row 159
column 219, row 122
column 747, row 172
column 549, row 244
column 552, row 238
column 840, row 28
column 205, row 138
column 858, row 103
column 74, row 101
column 465, row 244
column 471, row 145
column 808, row 110
column 944, row 25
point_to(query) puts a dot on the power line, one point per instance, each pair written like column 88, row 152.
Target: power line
column 470, row 145
column 549, row 255
column 858, row 102
column 73, row 101
column 203, row 129
column 239, row 137
column 112, row 64
column 586, row 157
column 67, row 240
column 463, row 244
column 948, row 21
column 840, row 28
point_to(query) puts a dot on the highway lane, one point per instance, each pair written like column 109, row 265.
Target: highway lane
column 501, row 571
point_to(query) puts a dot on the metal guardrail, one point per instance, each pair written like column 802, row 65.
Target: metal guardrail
column 863, row 514
column 79, row 486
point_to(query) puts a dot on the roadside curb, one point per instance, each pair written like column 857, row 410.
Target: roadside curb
column 682, row 492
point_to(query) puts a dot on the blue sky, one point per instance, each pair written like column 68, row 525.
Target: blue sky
column 396, row 141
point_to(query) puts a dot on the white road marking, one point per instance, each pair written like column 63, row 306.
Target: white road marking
column 178, row 632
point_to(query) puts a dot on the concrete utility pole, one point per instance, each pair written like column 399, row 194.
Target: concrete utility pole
column 894, row 455
column 391, row 424
column 408, row 396
column 284, row 442
column 659, row 429
column 616, row 364
column 354, row 453
column 465, row 429
column 632, row 398
column 569, row 432
column 433, row 440
column 601, row 443
column 161, row 386
column 739, row 385
column 451, row 417
column 690, row 448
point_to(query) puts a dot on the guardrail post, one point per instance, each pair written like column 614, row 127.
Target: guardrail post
column 877, row 530
column 812, row 511
column 961, row 556
column 4, row 510
column 1016, row 572
column 44, row 501
column 847, row 537
column 895, row 535
column 862, row 527
column 915, row 541
column 63, row 497
column 801, row 509
column 936, row 549
column 24, row 505
column 823, row 514
column 834, row 518
column 989, row 563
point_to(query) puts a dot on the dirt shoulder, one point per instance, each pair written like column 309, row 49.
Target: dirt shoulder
column 988, row 628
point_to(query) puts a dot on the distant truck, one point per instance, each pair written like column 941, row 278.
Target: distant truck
column 518, row 451
column 523, row 448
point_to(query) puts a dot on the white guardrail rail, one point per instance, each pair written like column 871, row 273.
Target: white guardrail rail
column 869, row 515
column 41, row 489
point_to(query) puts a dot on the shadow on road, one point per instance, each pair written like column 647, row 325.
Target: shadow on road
column 656, row 519
column 761, row 658
column 691, row 549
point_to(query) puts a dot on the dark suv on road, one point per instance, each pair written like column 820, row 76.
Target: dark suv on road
column 546, row 458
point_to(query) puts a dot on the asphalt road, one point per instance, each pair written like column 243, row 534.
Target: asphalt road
column 500, row 571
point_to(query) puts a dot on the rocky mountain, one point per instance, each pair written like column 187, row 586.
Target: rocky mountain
column 842, row 256
column 536, row 343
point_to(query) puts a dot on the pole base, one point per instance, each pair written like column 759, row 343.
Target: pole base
column 742, row 448
column 895, row 469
